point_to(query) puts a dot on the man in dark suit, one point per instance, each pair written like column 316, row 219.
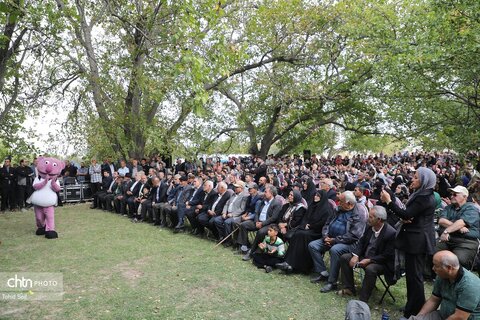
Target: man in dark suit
column 159, row 197
column 134, row 200
column 268, row 213
column 210, row 196
column 177, row 211
column 121, row 194
column 117, row 190
column 195, row 202
column 153, row 197
column 216, row 209
column 107, row 183
column 375, row 253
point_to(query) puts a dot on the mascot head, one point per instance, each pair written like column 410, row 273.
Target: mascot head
column 49, row 167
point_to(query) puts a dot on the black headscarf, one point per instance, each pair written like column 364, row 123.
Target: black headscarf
column 297, row 197
column 308, row 193
column 318, row 212
column 286, row 190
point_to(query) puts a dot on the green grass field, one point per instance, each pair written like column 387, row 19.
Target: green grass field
column 114, row 269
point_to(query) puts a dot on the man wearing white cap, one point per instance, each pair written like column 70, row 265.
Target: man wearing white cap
column 459, row 223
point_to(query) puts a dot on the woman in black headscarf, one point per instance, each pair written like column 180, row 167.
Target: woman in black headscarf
column 286, row 188
column 298, row 257
column 308, row 190
column 291, row 215
column 416, row 236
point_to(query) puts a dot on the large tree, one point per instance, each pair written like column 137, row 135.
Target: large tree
column 145, row 66
column 24, row 32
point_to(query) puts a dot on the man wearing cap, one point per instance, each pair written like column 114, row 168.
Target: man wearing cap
column 459, row 223
column 232, row 212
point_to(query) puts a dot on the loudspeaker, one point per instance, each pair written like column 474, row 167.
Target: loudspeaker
column 307, row 154
column 73, row 193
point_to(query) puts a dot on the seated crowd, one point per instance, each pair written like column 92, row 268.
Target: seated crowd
column 288, row 213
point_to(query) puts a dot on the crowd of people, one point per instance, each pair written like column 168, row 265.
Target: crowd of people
column 384, row 214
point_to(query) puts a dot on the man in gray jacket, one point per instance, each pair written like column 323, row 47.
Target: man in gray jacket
column 232, row 212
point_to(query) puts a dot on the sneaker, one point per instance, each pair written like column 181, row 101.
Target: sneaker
column 247, row 256
column 268, row 269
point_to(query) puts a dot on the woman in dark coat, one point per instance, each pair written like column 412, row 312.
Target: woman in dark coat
column 298, row 257
column 291, row 215
column 416, row 236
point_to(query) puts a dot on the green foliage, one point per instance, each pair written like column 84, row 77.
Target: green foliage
column 373, row 143
column 188, row 77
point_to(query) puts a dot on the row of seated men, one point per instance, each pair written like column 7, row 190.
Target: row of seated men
column 353, row 235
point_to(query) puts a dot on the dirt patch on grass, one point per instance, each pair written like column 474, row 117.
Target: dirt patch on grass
column 204, row 292
column 131, row 271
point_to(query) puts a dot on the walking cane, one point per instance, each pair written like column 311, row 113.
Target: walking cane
column 231, row 233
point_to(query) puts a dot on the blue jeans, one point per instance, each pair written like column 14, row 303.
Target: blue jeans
column 317, row 250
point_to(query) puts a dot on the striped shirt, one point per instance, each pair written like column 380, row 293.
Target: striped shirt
column 278, row 244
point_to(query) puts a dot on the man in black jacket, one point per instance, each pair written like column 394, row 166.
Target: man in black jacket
column 375, row 253
column 7, row 177
column 215, row 209
column 194, row 203
column 210, row 196
column 107, row 183
column 24, row 175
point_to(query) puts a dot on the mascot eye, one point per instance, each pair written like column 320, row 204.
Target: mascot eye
column 54, row 164
column 47, row 162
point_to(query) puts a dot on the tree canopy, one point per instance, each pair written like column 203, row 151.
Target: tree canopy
column 187, row 77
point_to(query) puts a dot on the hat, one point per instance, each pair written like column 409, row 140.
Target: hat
column 459, row 189
column 239, row 184
column 252, row 185
column 183, row 178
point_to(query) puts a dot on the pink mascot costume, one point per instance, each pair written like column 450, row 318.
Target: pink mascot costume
column 44, row 198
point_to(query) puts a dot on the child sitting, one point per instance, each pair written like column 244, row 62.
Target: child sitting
column 273, row 250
